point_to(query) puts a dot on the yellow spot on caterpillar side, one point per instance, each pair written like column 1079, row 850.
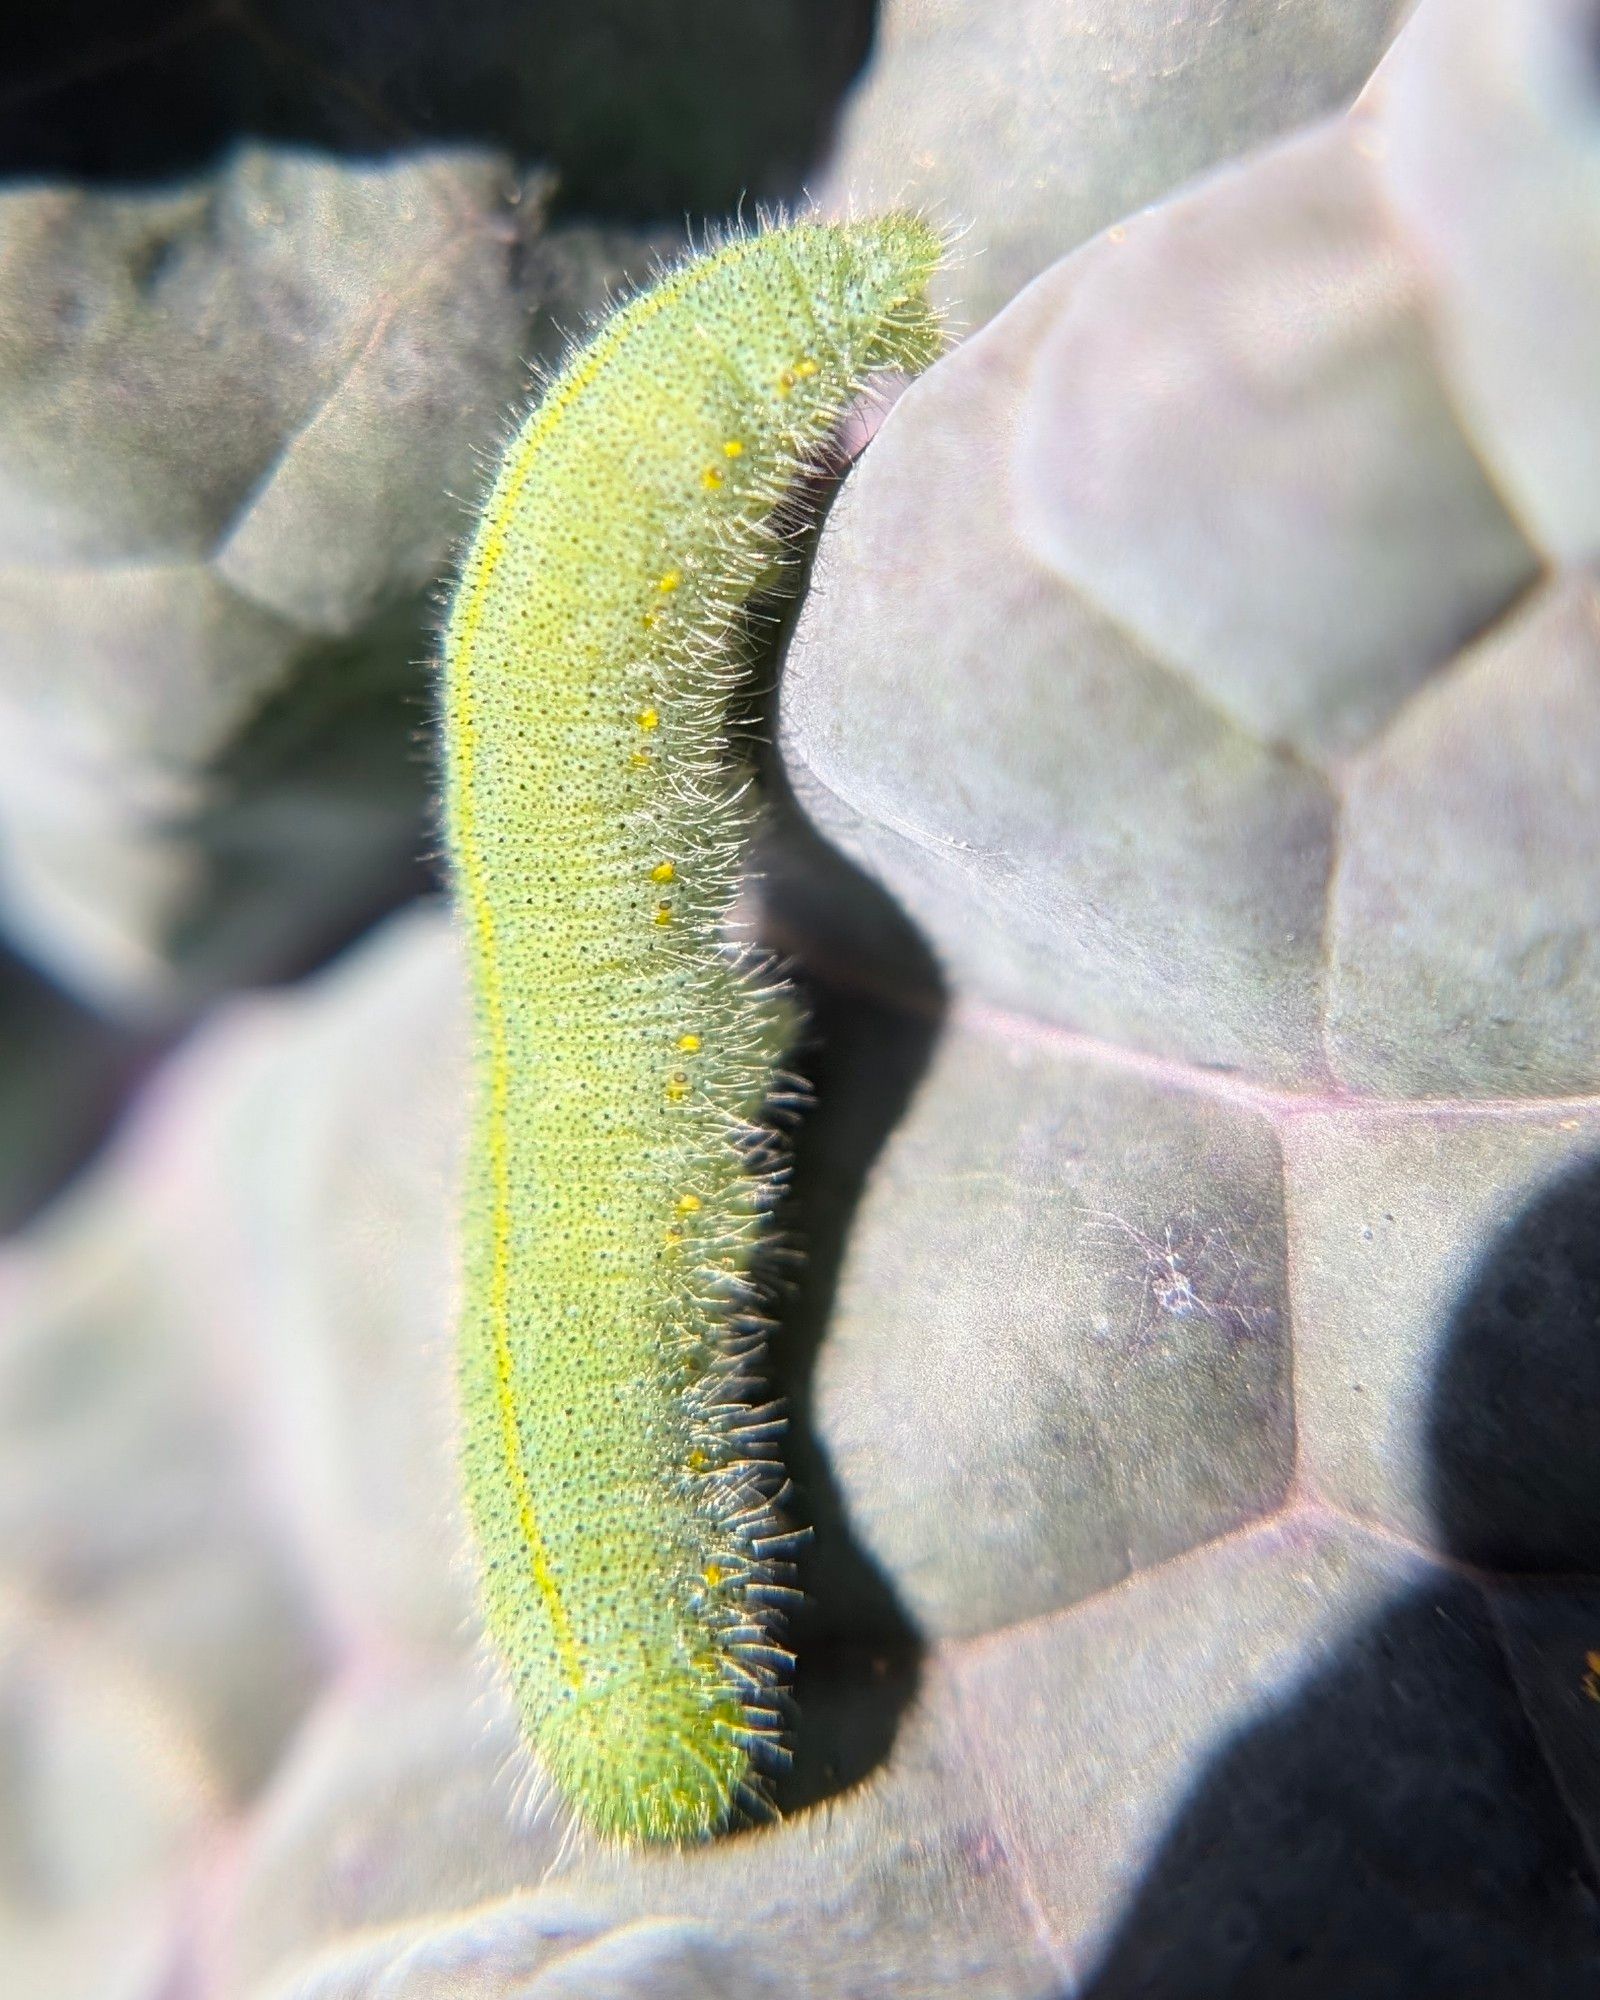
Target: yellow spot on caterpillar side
column 648, row 718
column 733, row 448
column 697, row 1461
column 805, row 369
column 714, row 1574
column 785, row 381
column 677, row 1087
column 669, row 581
column 690, row 1044
column 641, row 760
column 711, row 478
column 688, row 1204
column 663, row 915
column 663, row 871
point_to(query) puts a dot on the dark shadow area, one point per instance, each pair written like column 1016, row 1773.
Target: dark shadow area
column 63, row 1072
column 1514, row 1426
column 644, row 107
column 873, row 1003
column 1419, row 1820
column 325, row 805
column 857, row 1652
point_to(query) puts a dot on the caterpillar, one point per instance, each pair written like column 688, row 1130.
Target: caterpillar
column 616, row 1468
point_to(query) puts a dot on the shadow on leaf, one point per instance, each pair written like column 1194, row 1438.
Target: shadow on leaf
column 1417, row 1819
column 864, row 1048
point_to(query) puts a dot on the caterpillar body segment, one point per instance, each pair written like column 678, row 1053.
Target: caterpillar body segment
column 617, row 1170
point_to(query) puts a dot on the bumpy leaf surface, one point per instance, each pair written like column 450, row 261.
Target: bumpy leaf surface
column 1195, row 1380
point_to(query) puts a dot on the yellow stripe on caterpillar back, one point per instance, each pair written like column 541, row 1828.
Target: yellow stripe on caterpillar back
column 617, row 1172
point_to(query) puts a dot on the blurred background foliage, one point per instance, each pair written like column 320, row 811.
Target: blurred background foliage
column 644, row 111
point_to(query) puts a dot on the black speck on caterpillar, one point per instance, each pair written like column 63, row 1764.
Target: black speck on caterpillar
column 617, row 1472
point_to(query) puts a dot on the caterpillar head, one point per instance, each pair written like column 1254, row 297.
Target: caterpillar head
column 890, row 261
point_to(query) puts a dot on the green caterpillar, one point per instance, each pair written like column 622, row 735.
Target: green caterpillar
column 618, row 1168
